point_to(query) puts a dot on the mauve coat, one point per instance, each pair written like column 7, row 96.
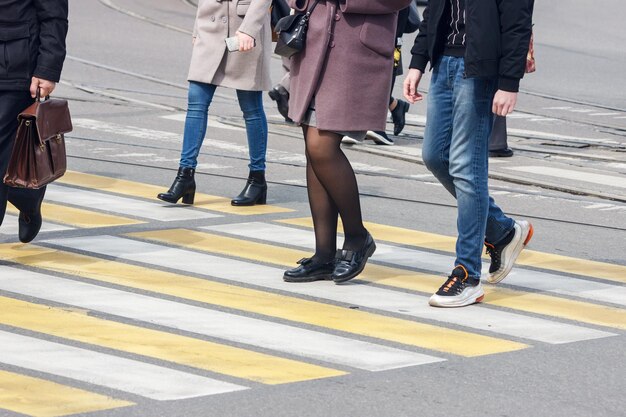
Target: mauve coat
column 211, row 63
column 347, row 63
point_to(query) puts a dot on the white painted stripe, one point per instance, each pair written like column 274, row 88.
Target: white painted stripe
column 412, row 258
column 151, row 381
column 477, row 317
column 212, row 121
column 605, row 114
column 274, row 336
column 610, row 180
column 10, row 226
column 143, row 133
column 123, row 205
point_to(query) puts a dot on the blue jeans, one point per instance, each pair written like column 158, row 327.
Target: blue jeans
column 456, row 143
column 251, row 104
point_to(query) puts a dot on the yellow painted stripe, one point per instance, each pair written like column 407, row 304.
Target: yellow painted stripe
column 40, row 398
column 78, row 217
column 549, row 261
column 260, row 302
column 399, row 278
column 137, row 189
column 214, row 357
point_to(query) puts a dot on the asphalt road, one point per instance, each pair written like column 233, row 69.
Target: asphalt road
column 159, row 322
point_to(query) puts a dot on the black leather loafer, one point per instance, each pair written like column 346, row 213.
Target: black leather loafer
column 309, row 271
column 29, row 226
column 349, row 263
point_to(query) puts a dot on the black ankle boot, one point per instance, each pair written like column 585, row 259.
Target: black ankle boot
column 255, row 191
column 183, row 186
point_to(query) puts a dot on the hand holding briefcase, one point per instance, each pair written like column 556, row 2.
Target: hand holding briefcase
column 38, row 157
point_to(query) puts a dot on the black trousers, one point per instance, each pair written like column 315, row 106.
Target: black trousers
column 12, row 103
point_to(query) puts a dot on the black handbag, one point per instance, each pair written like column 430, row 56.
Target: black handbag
column 291, row 32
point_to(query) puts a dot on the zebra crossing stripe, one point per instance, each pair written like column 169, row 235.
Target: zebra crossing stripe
column 151, row 381
column 214, row 357
column 266, row 303
column 122, row 205
column 40, row 398
column 10, row 226
column 412, row 258
column 147, row 191
column 76, row 217
column 216, row 324
column 520, row 300
column 431, row 241
column 480, row 318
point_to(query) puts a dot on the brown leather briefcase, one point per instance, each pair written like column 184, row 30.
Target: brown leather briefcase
column 38, row 156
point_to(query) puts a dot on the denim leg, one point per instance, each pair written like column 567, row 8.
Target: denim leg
column 455, row 150
column 251, row 104
column 199, row 99
column 478, row 215
column 438, row 133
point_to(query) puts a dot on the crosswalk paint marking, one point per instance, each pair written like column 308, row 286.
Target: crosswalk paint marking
column 610, row 180
column 214, row 357
column 40, row 398
column 531, row 302
column 127, row 206
column 84, row 219
column 560, row 263
column 274, row 336
column 10, row 226
column 502, row 322
column 151, row 381
column 411, row 258
column 148, row 191
column 260, row 302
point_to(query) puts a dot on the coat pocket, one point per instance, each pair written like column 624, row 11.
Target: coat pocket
column 378, row 32
column 242, row 7
column 15, row 52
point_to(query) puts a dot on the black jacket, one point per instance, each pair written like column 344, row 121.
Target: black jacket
column 497, row 39
column 32, row 41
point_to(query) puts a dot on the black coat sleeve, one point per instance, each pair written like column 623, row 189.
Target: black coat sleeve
column 53, row 25
column 516, row 27
column 419, row 52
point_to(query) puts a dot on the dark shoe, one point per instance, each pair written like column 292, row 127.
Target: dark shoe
column 183, row 186
column 281, row 96
column 501, row 153
column 349, row 263
column 379, row 137
column 255, row 191
column 398, row 115
column 458, row 291
column 30, row 223
column 504, row 254
column 309, row 271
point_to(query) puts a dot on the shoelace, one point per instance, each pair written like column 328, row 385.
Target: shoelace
column 492, row 252
column 453, row 285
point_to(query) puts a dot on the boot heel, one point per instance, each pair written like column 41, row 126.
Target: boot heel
column 262, row 198
column 189, row 197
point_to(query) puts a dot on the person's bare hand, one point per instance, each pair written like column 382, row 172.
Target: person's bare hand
column 246, row 42
column 411, row 82
column 45, row 87
column 504, row 102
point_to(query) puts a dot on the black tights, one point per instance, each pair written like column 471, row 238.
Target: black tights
column 333, row 192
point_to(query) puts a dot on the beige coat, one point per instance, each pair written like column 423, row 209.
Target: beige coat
column 211, row 62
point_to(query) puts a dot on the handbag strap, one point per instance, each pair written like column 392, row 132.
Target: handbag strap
column 308, row 13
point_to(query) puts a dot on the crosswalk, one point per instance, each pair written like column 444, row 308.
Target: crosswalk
column 139, row 309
